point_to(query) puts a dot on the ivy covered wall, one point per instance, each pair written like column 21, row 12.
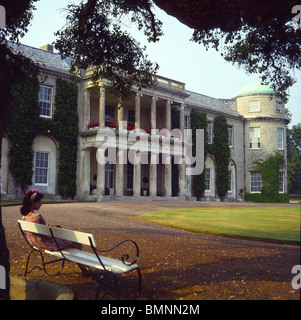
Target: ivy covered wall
column 222, row 153
column 25, row 124
column 198, row 120
column 269, row 172
column 219, row 149
column 22, row 128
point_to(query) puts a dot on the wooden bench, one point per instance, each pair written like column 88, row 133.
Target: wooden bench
column 106, row 265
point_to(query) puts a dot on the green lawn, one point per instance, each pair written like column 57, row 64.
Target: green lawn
column 268, row 223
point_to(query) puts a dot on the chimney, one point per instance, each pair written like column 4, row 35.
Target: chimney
column 47, row 47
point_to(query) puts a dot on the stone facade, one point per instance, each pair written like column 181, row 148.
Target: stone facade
column 256, row 120
column 268, row 117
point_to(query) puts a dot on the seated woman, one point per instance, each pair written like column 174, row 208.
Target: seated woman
column 33, row 201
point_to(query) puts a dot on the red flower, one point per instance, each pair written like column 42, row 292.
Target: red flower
column 93, row 124
column 111, row 124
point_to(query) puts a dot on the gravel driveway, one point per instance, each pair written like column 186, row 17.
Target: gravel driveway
column 175, row 264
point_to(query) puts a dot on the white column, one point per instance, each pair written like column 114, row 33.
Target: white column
column 85, row 168
column 102, row 107
column 167, row 173
column 119, row 113
column 87, row 108
column 119, row 175
column 119, row 163
column 182, row 107
column 137, row 110
column 182, row 165
column 137, row 167
column 153, row 162
column 153, row 112
column 100, row 181
column 153, row 175
column 137, row 180
column 168, row 114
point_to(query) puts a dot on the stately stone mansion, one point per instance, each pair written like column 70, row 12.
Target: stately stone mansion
column 256, row 123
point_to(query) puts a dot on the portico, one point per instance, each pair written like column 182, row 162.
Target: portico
column 149, row 110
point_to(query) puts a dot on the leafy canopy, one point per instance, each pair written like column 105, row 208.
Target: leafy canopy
column 271, row 49
column 93, row 37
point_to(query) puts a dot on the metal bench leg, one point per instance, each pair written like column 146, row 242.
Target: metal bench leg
column 117, row 296
column 139, row 282
column 28, row 259
column 43, row 264
column 27, row 263
column 55, row 274
column 101, row 283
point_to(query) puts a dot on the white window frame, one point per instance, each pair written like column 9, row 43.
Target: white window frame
column 109, row 113
column 46, row 100
column 109, row 175
column 254, row 137
column 278, row 107
column 230, row 189
column 280, row 138
column 207, row 179
column 36, row 168
column 254, row 106
column 255, row 182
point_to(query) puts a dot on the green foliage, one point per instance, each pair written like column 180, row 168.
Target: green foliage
column 259, row 197
column 25, row 124
column 22, row 128
column 271, row 48
column 198, row 120
column 222, row 155
column 262, row 222
column 65, row 126
column 269, row 170
column 293, row 138
column 219, row 149
column 93, row 36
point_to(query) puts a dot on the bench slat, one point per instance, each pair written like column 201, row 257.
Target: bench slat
column 91, row 260
column 66, row 234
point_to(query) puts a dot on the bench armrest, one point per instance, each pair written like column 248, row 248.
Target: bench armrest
column 125, row 257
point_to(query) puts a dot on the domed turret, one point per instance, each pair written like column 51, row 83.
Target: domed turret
column 264, row 126
column 256, row 99
column 255, row 88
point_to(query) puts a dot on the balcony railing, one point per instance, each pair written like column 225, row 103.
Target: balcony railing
column 172, row 84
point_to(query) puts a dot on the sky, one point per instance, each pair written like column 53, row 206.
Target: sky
column 180, row 59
